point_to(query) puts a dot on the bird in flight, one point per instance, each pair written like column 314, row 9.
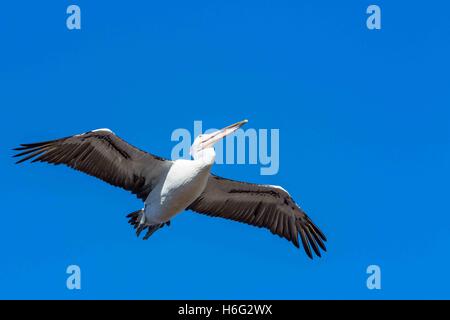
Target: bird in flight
column 169, row 187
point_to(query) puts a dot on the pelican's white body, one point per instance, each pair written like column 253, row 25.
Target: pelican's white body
column 184, row 182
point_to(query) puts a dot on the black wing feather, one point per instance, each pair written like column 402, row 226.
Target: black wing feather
column 262, row 206
column 102, row 154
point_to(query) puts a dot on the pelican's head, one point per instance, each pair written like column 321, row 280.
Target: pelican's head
column 203, row 146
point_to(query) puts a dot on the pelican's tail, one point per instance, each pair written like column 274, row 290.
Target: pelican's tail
column 137, row 220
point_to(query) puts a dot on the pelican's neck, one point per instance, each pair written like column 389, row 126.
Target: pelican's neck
column 207, row 156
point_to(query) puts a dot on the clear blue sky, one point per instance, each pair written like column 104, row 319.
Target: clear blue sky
column 364, row 144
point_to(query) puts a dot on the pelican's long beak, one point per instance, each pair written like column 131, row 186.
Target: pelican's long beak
column 214, row 137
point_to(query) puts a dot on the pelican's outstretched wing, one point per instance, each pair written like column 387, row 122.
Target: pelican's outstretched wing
column 265, row 206
column 102, row 154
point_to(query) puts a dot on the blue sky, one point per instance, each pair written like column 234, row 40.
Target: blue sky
column 364, row 145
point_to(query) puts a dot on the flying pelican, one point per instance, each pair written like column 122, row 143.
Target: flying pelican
column 169, row 187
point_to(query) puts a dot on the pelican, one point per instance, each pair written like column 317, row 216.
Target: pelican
column 169, row 187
